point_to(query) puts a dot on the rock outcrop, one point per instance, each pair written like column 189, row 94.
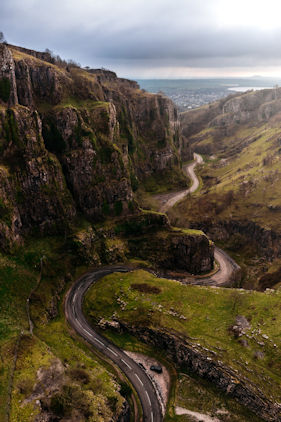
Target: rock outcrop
column 205, row 364
column 149, row 236
column 8, row 90
column 223, row 117
column 266, row 241
column 76, row 141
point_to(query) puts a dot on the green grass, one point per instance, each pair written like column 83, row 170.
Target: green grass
column 199, row 396
column 252, row 174
column 188, row 231
column 19, row 274
column 73, row 102
column 161, row 182
column 209, row 313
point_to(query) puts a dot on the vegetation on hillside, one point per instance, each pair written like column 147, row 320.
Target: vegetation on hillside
column 49, row 370
column 205, row 316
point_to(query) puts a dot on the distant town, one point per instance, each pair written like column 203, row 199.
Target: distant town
column 188, row 94
column 189, row 99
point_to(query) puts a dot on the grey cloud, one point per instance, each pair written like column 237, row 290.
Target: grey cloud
column 158, row 33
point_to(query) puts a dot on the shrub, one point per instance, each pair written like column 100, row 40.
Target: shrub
column 53, row 139
column 5, row 89
column 58, row 405
column 79, row 374
column 118, row 208
column 25, row 386
column 145, row 288
column 105, row 153
column 270, row 279
column 134, row 182
column 125, row 390
column 105, row 208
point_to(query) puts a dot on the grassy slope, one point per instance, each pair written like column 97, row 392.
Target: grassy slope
column 209, row 313
column 19, row 274
column 199, row 396
column 252, row 175
column 241, row 183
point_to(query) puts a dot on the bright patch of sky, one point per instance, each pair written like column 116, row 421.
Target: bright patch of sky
column 153, row 38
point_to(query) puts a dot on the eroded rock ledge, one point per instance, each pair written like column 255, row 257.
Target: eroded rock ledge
column 204, row 363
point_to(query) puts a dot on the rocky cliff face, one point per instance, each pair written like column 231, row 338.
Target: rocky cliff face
column 204, row 363
column 224, row 117
column 150, row 237
column 75, row 141
column 266, row 241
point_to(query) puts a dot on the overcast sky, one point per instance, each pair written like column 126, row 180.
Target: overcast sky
column 153, row 38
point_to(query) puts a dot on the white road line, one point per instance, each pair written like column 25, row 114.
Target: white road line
column 151, row 417
column 148, row 398
column 99, row 341
column 126, row 364
column 78, row 322
column 112, row 351
column 74, row 297
column 88, row 333
column 139, row 379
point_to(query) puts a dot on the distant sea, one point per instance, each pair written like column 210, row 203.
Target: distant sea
column 193, row 93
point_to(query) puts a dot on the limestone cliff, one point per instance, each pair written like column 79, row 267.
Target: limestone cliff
column 224, row 117
column 204, row 362
column 75, row 141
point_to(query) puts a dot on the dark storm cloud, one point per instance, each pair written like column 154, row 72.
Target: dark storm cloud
column 157, row 33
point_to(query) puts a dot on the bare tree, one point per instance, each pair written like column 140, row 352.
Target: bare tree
column 2, row 38
column 47, row 50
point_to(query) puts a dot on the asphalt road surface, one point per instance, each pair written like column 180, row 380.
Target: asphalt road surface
column 177, row 196
column 137, row 376
column 227, row 265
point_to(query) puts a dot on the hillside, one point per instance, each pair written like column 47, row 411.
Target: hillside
column 240, row 204
column 81, row 151
column 229, row 337
column 75, row 146
column 82, row 141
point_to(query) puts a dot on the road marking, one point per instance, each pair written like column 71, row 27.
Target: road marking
column 78, row 322
column 148, row 398
column 74, row 297
column 112, row 351
column 139, row 379
column 99, row 341
column 126, row 364
column 151, row 417
column 91, row 335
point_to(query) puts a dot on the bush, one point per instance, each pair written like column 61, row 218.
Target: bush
column 118, row 208
column 25, row 386
column 270, row 279
column 134, row 182
column 5, row 89
column 53, row 139
column 145, row 288
column 125, row 390
column 105, row 208
column 58, row 405
column 79, row 374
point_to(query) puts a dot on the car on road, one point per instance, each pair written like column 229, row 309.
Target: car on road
column 156, row 368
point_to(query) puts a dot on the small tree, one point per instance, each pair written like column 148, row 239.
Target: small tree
column 2, row 38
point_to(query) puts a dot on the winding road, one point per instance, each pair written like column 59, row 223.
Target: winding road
column 151, row 407
column 173, row 198
column 137, row 376
column 227, row 266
